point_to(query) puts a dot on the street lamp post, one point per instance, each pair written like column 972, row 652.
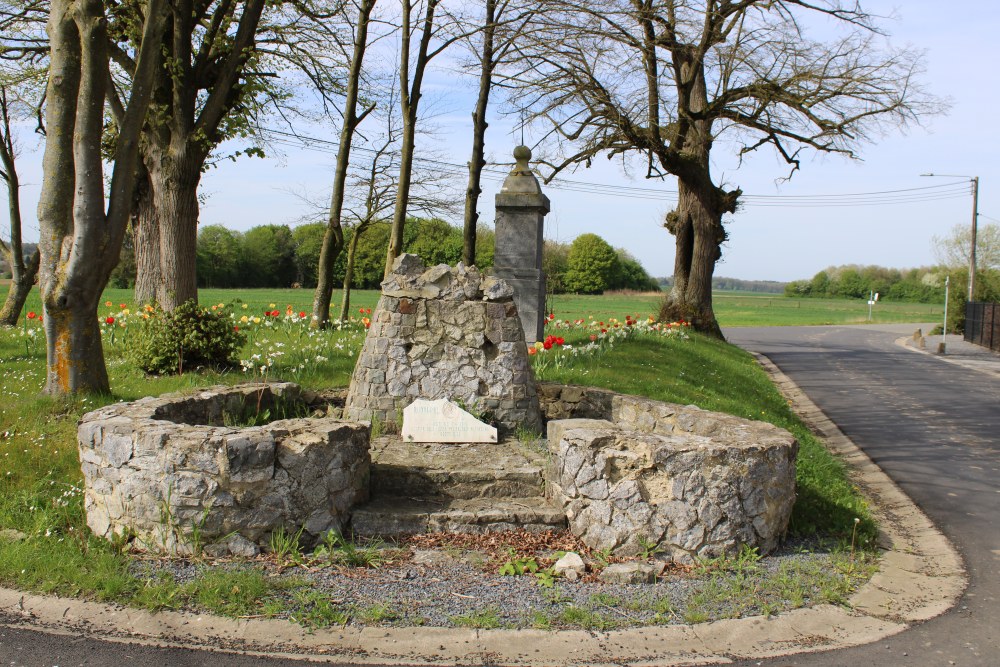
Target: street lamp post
column 975, row 225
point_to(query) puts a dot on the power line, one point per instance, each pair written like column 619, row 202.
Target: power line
column 929, row 193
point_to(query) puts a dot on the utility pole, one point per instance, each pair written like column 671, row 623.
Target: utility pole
column 975, row 227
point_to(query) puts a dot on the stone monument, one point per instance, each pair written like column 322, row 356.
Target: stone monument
column 445, row 332
column 520, row 216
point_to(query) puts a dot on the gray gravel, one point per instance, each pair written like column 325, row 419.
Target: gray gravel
column 449, row 592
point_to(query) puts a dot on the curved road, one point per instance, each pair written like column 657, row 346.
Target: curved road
column 934, row 428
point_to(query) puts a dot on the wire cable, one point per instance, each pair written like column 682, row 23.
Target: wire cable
column 928, row 193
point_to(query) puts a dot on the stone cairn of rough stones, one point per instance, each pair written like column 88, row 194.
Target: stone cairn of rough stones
column 445, row 332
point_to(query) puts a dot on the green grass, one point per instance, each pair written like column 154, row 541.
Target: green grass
column 751, row 311
column 41, row 483
column 743, row 310
column 483, row 619
column 733, row 309
column 741, row 586
column 585, row 618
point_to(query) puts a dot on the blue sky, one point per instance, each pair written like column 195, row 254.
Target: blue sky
column 766, row 243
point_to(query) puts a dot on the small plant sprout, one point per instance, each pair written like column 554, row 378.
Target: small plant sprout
column 286, row 546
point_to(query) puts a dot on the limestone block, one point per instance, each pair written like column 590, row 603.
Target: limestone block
column 570, row 566
column 631, row 573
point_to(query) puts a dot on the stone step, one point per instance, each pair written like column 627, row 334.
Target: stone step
column 461, row 471
column 389, row 516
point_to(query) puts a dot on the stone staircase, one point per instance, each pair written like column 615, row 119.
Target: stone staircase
column 472, row 488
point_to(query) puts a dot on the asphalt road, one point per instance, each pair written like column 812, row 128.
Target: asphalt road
column 29, row 648
column 934, row 428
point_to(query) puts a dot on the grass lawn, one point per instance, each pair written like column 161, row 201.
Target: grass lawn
column 743, row 310
column 734, row 309
column 40, row 480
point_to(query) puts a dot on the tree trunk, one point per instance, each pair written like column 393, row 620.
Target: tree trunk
column 20, row 287
column 697, row 222
column 697, row 226
column 333, row 240
column 166, row 240
column 176, row 202
column 680, row 226
column 68, row 214
column 333, row 244
column 352, row 249
column 409, row 102
column 74, row 347
column 708, row 238
column 22, row 274
column 146, row 243
column 402, row 193
column 479, row 125
column 79, row 240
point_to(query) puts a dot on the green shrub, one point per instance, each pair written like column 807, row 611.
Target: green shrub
column 186, row 338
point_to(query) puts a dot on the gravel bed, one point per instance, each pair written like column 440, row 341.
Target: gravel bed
column 450, row 591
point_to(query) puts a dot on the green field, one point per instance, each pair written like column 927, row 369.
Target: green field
column 732, row 309
column 743, row 310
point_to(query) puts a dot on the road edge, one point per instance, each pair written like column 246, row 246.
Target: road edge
column 921, row 576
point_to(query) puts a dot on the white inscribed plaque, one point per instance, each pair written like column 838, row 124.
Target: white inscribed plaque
column 443, row 421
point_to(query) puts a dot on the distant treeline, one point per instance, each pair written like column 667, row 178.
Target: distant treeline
column 282, row 256
column 721, row 284
column 923, row 285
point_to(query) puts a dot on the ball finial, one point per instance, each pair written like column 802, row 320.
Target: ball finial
column 522, row 154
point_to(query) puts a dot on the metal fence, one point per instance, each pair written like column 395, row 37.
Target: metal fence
column 982, row 324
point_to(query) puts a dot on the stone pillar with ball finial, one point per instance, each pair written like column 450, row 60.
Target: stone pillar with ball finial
column 520, row 218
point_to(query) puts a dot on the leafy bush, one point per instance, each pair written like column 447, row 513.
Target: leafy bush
column 186, row 338
column 590, row 265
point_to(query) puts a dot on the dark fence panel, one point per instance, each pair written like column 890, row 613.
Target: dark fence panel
column 982, row 324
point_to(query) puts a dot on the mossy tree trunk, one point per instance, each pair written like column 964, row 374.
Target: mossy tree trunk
column 81, row 237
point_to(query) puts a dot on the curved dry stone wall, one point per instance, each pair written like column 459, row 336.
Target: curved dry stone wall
column 445, row 332
column 690, row 482
column 170, row 472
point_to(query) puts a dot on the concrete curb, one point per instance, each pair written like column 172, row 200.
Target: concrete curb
column 985, row 365
column 921, row 576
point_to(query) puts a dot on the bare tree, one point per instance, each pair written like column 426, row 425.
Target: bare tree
column 669, row 79
column 23, row 270
column 22, row 32
column 490, row 47
column 81, row 237
column 433, row 35
column 333, row 240
column 374, row 186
